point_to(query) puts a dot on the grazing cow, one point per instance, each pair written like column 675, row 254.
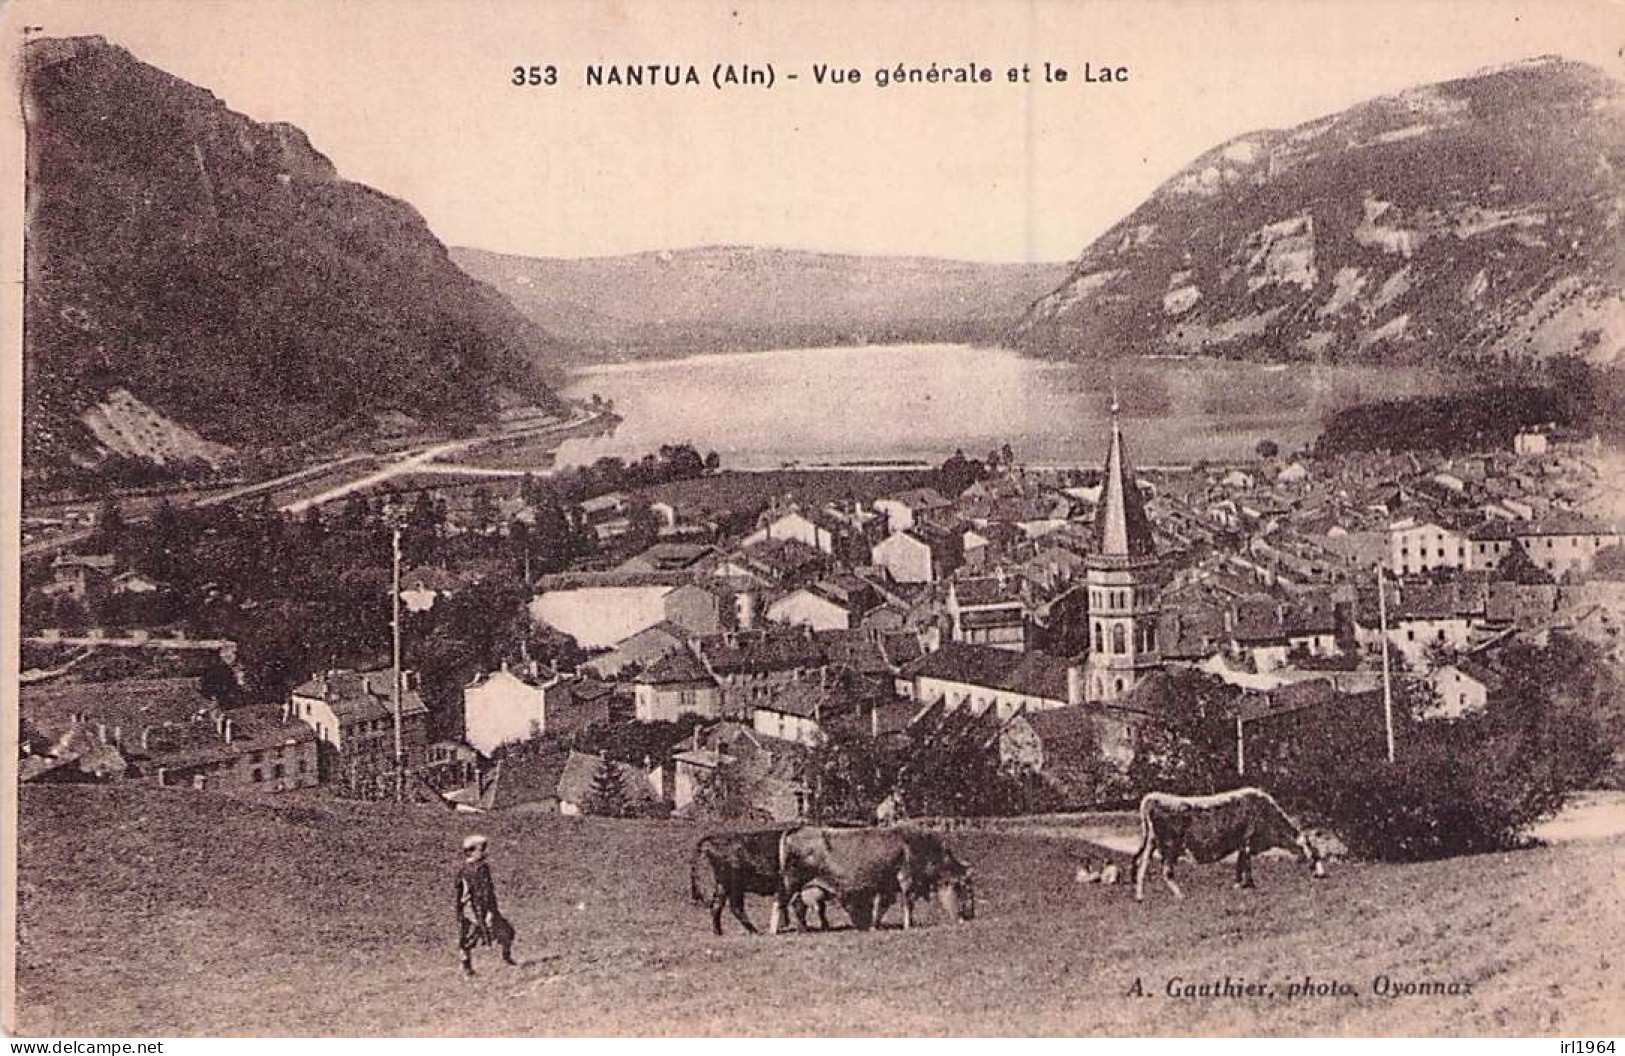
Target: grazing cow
column 877, row 866
column 741, row 863
column 1244, row 821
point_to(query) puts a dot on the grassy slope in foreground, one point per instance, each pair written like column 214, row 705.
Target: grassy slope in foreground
column 148, row 911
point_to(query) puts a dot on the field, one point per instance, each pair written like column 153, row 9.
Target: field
column 149, row 911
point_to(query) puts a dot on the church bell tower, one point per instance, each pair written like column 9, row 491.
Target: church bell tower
column 1121, row 578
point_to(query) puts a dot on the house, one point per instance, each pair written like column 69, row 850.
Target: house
column 1420, row 617
column 134, row 583
column 1463, row 688
column 1420, row 546
column 508, row 705
column 166, row 731
column 671, row 557
column 422, row 587
column 1058, row 744
column 767, row 773
column 785, row 563
column 908, row 508
column 989, row 610
column 985, row 678
column 751, row 665
column 77, row 574
column 796, row 712
column 639, row 787
column 675, row 685
column 1530, row 442
column 261, row 748
column 810, row 607
column 639, row 651
column 1295, row 473
column 1563, row 544
column 834, row 603
column 696, row 609
column 918, row 555
column 353, row 715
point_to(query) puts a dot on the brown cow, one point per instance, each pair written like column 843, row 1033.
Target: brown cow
column 880, row 865
column 1243, row 822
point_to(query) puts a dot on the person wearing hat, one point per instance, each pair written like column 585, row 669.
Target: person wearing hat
column 479, row 923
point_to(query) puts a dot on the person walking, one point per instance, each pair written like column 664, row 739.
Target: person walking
column 479, row 922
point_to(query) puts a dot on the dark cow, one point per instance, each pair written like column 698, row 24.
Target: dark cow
column 1243, row 822
column 873, row 866
column 743, row 863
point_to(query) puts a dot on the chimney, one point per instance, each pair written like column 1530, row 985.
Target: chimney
column 101, row 732
column 1074, row 685
column 146, row 740
column 874, row 722
column 287, row 710
column 228, row 730
column 745, row 610
column 1229, row 619
column 117, row 736
column 163, row 776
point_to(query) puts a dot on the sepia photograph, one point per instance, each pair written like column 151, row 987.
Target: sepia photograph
column 1012, row 518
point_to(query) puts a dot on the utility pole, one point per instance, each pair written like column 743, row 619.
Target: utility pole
column 1387, row 678
column 395, row 683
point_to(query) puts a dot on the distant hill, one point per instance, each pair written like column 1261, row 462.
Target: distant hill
column 734, row 298
column 210, row 282
column 1476, row 221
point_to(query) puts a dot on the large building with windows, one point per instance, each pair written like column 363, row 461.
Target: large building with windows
column 1124, row 591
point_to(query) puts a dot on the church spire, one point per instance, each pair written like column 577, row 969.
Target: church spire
column 1122, row 529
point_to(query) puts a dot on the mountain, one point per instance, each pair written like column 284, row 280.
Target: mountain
column 1475, row 221
column 200, row 282
column 731, row 298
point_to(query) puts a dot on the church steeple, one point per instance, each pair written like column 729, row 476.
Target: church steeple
column 1123, row 594
column 1122, row 529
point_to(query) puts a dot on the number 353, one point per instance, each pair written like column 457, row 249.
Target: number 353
column 531, row 76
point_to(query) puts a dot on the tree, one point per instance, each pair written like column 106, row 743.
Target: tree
column 725, row 794
column 110, row 526
column 483, row 515
column 607, row 797
column 1519, row 567
column 1192, row 750
column 1268, row 448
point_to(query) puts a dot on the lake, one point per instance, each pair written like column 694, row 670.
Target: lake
column 818, row 406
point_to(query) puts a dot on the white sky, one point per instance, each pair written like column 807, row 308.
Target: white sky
column 412, row 98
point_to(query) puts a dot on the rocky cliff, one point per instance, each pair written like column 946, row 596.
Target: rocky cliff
column 1475, row 221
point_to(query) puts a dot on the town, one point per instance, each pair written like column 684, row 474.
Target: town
column 672, row 639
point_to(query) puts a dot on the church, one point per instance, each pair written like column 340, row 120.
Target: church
column 1121, row 577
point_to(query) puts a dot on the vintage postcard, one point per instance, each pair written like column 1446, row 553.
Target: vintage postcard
column 741, row 518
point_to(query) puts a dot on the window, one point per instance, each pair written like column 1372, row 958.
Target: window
column 1100, row 646
column 1410, row 635
column 277, row 771
column 1119, row 639
column 258, row 757
column 257, row 776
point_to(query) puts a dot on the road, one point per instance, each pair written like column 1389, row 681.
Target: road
column 419, row 458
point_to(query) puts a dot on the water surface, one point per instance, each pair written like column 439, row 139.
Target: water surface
column 816, row 406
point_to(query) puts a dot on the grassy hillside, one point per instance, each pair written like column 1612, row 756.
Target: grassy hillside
column 148, row 911
column 742, row 298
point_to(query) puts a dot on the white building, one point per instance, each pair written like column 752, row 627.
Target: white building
column 505, row 706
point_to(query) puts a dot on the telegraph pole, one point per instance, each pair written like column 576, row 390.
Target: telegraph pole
column 395, row 682
column 1387, row 679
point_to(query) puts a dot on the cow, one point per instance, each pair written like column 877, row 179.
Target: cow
column 743, row 863
column 1244, row 821
column 873, row 866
